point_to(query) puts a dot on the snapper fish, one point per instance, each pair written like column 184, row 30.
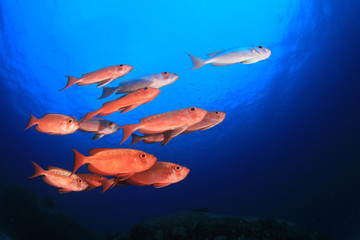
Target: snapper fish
column 100, row 127
column 170, row 123
column 235, row 55
column 102, row 76
column 161, row 174
column 56, row 124
column 95, row 180
column 156, row 80
column 119, row 162
column 210, row 120
column 125, row 103
column 60, row 178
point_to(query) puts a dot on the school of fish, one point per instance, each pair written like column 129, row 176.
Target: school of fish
column 118, row 167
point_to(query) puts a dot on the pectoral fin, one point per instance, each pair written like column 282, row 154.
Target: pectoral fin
column 129, row 108
column 104, row 82
column 249, row 61
column 64, row 190
column 98, row 136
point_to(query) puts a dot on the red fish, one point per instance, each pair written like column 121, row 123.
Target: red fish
column 160, row 175
column 95, row 180
column 170, row 123
column 57, row 124
column 60, row 178
column 210, row 120
column 120, row 162
column 125, row 103
column 100, row 127
column 102, row 76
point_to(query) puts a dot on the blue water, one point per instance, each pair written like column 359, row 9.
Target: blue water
column 289, row 147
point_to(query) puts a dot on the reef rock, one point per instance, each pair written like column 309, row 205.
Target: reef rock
column 207, row 226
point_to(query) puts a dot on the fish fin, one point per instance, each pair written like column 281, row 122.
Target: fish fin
column 95, row 151
column 98, row 136
column 206, row 128
column 129, row 108
column 250, row 61
column 128, row 130
column 104, row 82
column 71, row 81
column 38, row 170
column 33, row 120
column 135, row 138
column 89, row 115
column 86, row 74
column 123, row 176
column 64, row 190
column 90, row 188
column 51, row 167
column 107, row 91
column 121, row 184
column 197, row 62
column 213, row 54
column 220, row 64
column 168, row 135
column 79, row 160
column 160, row 185
column 107, row 184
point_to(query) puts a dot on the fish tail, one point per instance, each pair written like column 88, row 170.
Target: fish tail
column 79, row 160
column 38, row 170
column 128, row 130
column 197, row 62
column 107, row 184
column 107, row 91
column 118, row 182
column 71, row 81
column 135, row 138
column 33, row 120
column 89, row 115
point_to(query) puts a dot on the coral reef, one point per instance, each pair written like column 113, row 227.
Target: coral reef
column 208, row 226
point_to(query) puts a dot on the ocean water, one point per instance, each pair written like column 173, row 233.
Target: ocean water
column 288, row 148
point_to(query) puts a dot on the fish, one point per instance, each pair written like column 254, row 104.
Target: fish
column 60, row 178
column 125, row 103
column 100, row 127
column 161, row 174
column 246, row 55
column 56, row 124
column 170, row 123
column 210, row 120
column 95, row 180
column 156, row 80
column 120, row 162
column 102, row 76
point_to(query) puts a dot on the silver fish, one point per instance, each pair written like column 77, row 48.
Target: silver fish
column 235, row 55
column 99, row 126
column 156, row 80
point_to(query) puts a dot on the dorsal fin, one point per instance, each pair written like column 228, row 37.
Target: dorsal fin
column 51, row 167
column 213, row 54
column 146, row 119
column 94, row 151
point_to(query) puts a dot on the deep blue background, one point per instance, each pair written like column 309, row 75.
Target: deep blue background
column 289, row 147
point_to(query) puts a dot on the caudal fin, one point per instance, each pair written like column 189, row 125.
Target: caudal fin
column 38, row 170
column 33, row 120
column 71, row 81
column 107, row 91
column 128, row 130
column 79, row 160
column 197, row 62
column 89, row 115
column 135, row 138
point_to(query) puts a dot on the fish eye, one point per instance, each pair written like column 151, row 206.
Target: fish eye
column 178, row 168
column 100, row 177
column 260, row 47
column 70, row 121
column 192, row 109
column 217, row 113
column 165, row 73
column 79, row 181
column 121, row 65
column 111, row 123
column 143, row 155
column 145, row 88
